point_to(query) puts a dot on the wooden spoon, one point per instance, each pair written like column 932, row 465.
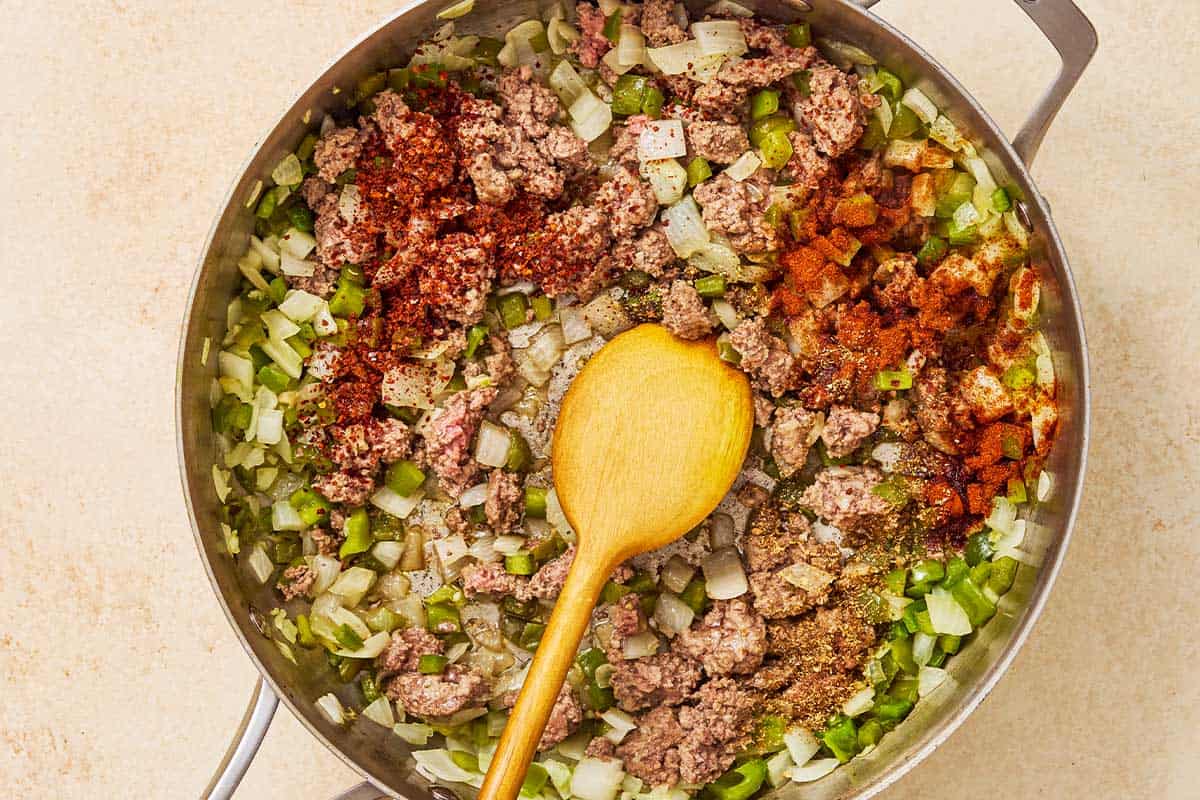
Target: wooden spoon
column 650, row 437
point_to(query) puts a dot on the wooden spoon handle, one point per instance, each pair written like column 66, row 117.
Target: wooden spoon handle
column 555, row 653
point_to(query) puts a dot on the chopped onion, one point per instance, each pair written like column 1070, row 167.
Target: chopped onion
column 945, row 614
column 726, row 313
column 285, row 518
column 778, row 766
column 554, row 514
column 746, row 165
column 288, row 172
column 372, row 646
column 296, row 243
column 566, row 83
column 606, row 316
column 672, row 614
column 844, row 54
column 285, row 356
column 327, row 569
column 611, row 61
column 662, row 138
column 813, row 770
column 295, row 267
column 414, row 733
column 597, row 779
column 1016, row 229
column 943, row 130
column 675, row 59
column 323, row 323
column 721, row 533
column 459, row 9
column 1044, row 486
column 677, row 574
column 723, row 575
column 332, row 708
column 394, row 504
column 883, row 112
column 720, row 37
column 547, row 348
column 261, row 565
column 279, row 326
column 508, row 544
column 388, row 553
column 920, row 105
column 590, row 116
column 450, row 552
column 230, row 365
column 807, row 577
column 1003, row 515
column 353, row 584
column 380, row 712
column 705, row 68
column 620, row 724
column 575, row 327
column 860, row 703
column 300, row 306
column 270, row 426
column 667, row 178
column 801, row 745
column 491, row 446
column 718, row 257
column 631, row 47
column 475, row 496
column 922, row 648
column 416, row 385
column 437, row 765
column 685, row 227
column 560, row 34
column 930, row 678
column 640, row 645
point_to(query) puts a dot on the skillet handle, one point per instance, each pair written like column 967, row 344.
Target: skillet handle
column 245, row 744
column 1075, row 39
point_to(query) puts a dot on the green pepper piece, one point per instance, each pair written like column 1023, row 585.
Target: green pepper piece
column 590, row 660
column 348, row 301
column 890, row 85
column 652, row 104
column 711, row 286
column 641, row 582
column 531, row 635
column 869, row 733
column 432, row 664
column 901, row 649
column 304, row 633
column 382, row 619
column 513, row 307
column 312, row 507
column 358, row 534
column 461, row 758
column 698, row 171
column 981, row 572
column 346, row 178
column 889, row 708
column 928, row 571
column 764, row 104
column 523, row 610
column 629, row 94
column 905, row 123
column 301, row 218
column 370, row 688
column 306, row 147
column 799, row 34
column 273, row 378
column 404, row 478
column 599, row 699
column 520, row 458
column 1016, row 491
column 956, row 570
column 519, row 563
column 475, row 337
column 1001, row 202
column 487, row 49
column 612, row 26
column 768, row 734
column 776, row 149
column 694, row 595
column 277, row 290
column 1018, row 377
column 543, row 308
column 949, row 643
column 612, row 592
column 895, row 581
column 933, row 251
column 873, row 137
column 535, row 780
column 347, row 638
column 267, row 204
column 442, row 618
column 447, row 593
column 892, row 491
column 1004, row 572
column 347, row 668
column 979, row 609
column 768, row 125
column 728, row 353
column 925, row 623
column 535, row 502
column 739, row 783
column 893, row 380
column 963, row 236
column 841, row 737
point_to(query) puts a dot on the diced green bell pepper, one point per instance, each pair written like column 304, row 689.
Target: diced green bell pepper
column 535, row 502
column 358, row 534
column 404, row 478
column 432, row 664
column 764, row 104
column 739, row 783
column 841, row 737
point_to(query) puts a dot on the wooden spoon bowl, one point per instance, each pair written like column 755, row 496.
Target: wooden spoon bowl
column 651, row 435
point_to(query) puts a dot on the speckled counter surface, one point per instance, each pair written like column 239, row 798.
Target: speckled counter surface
column 125, row 123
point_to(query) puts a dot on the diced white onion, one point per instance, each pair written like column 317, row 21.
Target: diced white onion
column 920, row 104
column 723, row 575
column 415, row 385
column 288, row 172
column 284, row 356
column 590, row 116
column 667, row 178
column 566, row 83
column 640, row 645
column 475, row 496
column 844, row 54
column 554, row 514
column 450, row 552
column 400, row 507
column 1003, row 515
column 720, row 37
column 437, row 765
column 807, row 577
column 491, row 446
column 726, row 313
column 575, row 327
column 606, row 316
column 801, row 745
column 249, row 265
column 414, row 733
column 560, row 34
column 746, row 165
column 944, row 131
column 285, row 518
column 508, row 544
column 612, row 61
column 778, row 766
column 388, row 553
column 547, row 348
column 231, row 365
column 717, row 257
column 297, row 243
column 883, row 112
column 620, row 724
column 721, row 533
column 631, row 47
column 1016, row 229
column 327, row 569
column 380, row 712
column 662, row 138
column 332, row 708
column 353, row 584
column 930, row 678
column 278, row 325
column 945, row 614
column 372, row 646
column 922, row 648
column 323, row 323
column 260, row 563
column 349, row 202
column 677, row 574
column 813, row 770
column 675, row 59
column 270, row 426
column 294, row 267
column 597, row 779
column 1044, row 486
column 685, row 227
column 966, row 215
column 860, row 703
column 672, row 614
column 300, row 306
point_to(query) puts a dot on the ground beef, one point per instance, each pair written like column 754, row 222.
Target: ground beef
column 601, row 748
column 725, row 97
column 462, row 274
column 593, row 44
column 338, row 151
column 807, row 166
column 564, row 719
column 627, row 202
column 450, row 435
column 339, row 241
column 774, row 538
column 498, row 365
column 361, row 446
column 842, row 496
column 625, row 616
column 938, row 410
column 651, row 751
column 349, row 488
column 847, row 428
column 650, row 252
column 764, row 357
column 789, row 437
column 832, row 113
column 505, row 501
column 327, row 542
column 624, row 149
column 439, row 695
column 735, row 209
column 715, row 729
column 660, row 679
column 404, row 651
column 718, row 142
column 527, row 103
column 319, row 195
column 659, row 24
column 776, row 595
column 684, row 312
column 548, row 581
column 730, row 640
column 296, row 581
column 492, row 579
column 580, row 236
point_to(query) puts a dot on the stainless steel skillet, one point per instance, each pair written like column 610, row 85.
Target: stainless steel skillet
column 381, row 757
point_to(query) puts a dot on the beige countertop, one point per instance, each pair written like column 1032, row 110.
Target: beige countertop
column 126, row 122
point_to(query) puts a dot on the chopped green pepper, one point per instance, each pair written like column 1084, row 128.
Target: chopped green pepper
column 543, row 308
column 892, row 709
column 979, row 609
column 531, row 635
column 599, row 699
column 928, row 571
column 442, row 618
column 889, row 84
column 370, row 688
column 933, row 251
column 652, row 105
column 979, row 549
column 520, row 609
column 799, row 34
column 358, row 534
column 347, row 638
column 535, row 780
column 475, row 337
column 739, row 783
column 629, row 94
column 1016, row 491
column 382, row 619
column 349, row 300
column 432, row 664
column 612, row 26
column 1004, row 572
column 710, row 286
column 694, row 595
column 1001, row 202
column 893, row 380
column 404, row 478
column 960, row 236
column 768, row 734
column 764, row 104
column 304, row 633
column 272, row 377
column 519, row 563
column 761, row 129
column 535, row 502
column 312, row 507
column 461, row 758
column 895, row 581
column 520, row 458
column 612, row 592
column 949, row 643
column 841, row 737
column 776, row 149
column 698, row 171
column 590, row 660
column 905, row 123
column 513, row 308
column 956, row 570
column 869, row 733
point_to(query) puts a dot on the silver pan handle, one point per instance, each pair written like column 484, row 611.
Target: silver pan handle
column 1075, row 39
